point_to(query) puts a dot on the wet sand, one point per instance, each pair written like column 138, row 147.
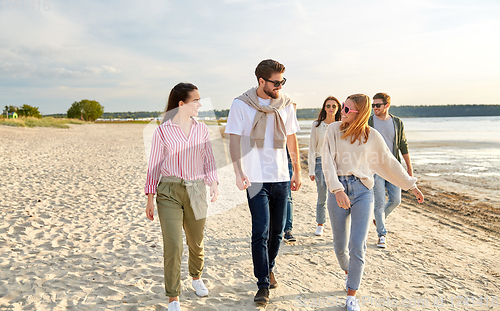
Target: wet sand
column 74, row 236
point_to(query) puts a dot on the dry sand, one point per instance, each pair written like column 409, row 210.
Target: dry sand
column 73, row 235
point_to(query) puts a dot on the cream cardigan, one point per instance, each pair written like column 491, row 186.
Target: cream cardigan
column 315, row 143
column 341, row 158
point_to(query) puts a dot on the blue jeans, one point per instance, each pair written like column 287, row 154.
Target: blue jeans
column 383, row 208
column 267, row 203
column 289, row 203
column 350, row 228
column 322, row 191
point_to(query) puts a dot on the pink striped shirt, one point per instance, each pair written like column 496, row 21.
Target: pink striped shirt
column 174, row 154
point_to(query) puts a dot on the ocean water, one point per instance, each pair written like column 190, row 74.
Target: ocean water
column 457, row 148
column 453, row 148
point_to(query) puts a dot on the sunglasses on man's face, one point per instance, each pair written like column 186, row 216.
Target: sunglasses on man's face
column 346, row 109
column 378, row 105
column 277, row 83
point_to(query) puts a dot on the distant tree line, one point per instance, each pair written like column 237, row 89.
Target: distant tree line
column 412, row 111
column 23, row 111
column 445, row 111
column 312, row 113
column 131, row 115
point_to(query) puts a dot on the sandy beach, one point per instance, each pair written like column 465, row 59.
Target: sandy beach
column 74, row 236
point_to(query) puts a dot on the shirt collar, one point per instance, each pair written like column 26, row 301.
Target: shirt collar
column 169, row 122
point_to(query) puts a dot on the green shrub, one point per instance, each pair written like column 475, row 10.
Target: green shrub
column 12, row 122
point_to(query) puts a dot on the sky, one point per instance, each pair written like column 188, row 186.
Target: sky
column 127, row 55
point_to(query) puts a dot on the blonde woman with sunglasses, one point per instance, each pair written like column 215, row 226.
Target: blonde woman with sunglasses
column 352, row 154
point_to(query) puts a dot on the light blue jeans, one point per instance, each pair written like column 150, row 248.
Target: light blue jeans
column 383, row 208
column 350, row 228
column 321, row 188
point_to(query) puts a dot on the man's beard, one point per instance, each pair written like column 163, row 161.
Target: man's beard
column 271, row 94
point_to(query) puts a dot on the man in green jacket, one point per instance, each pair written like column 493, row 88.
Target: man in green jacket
column 392, row 129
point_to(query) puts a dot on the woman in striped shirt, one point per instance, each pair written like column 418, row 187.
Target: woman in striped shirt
column 181, row 154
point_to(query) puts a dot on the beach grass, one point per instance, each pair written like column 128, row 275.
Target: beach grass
column 42, row 122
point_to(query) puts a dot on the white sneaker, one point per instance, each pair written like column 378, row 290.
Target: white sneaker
column 174, row 306
column 381, row 242
column 200, row 288
column 319, row 230
column 352, row 303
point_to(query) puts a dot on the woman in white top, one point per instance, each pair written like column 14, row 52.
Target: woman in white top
column 352, row 153
column 329, row 113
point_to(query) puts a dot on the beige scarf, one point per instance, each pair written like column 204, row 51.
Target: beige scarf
column 258, row 132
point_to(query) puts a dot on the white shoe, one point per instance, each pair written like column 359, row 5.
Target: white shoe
column 352, row 303
column 200, row 288
column 319, row 230
column 382, row 242
column 174, row 306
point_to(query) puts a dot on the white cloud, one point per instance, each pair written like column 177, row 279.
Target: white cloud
column 129, row 54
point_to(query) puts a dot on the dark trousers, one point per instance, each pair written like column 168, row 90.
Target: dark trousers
column 289, row 205
column 267, row 203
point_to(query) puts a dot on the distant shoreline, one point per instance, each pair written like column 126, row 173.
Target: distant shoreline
column 423, row 111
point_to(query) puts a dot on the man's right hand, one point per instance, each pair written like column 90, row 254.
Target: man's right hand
column 242, row 181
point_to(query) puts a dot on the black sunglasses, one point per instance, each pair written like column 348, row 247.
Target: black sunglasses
column 277, row 83
column 378, row 105
column 331, row 106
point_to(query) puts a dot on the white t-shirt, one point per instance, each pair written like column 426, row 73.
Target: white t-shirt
column 261, row 164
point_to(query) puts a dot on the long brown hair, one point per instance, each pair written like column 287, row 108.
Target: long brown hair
column 180, row 92
column 358, row 129
column 322, row 112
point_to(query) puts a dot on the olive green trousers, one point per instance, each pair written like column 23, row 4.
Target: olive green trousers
column 175, row 212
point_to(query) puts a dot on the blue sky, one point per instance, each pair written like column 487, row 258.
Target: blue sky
column 129, row 54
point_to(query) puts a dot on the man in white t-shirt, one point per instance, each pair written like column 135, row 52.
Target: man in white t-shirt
column 260, row 122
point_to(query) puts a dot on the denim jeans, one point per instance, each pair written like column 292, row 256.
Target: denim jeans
column 267, row 203
column 289, row 203
column 382, row 208
column 322, row 191
column 350, row 228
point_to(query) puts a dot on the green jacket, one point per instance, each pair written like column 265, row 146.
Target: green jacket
column 400, row 143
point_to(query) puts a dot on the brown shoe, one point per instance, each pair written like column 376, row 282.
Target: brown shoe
column 272, row 281
column 262, row 296
column 374, row 222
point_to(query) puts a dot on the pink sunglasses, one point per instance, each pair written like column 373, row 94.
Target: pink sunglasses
column 347, row 110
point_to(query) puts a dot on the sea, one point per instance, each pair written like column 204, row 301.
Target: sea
column 451, row 148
